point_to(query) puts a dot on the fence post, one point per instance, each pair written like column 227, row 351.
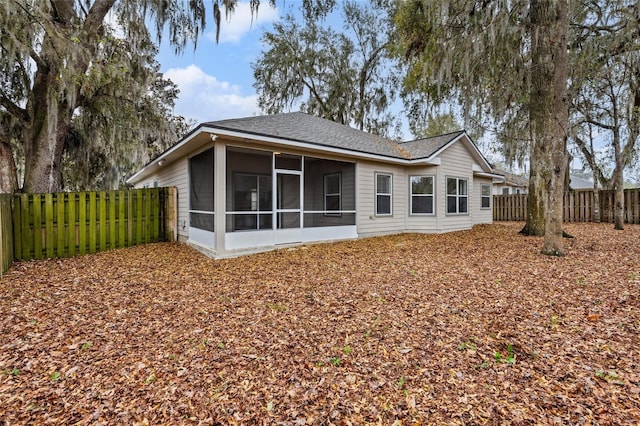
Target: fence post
column 171, row 214
column 6, row 232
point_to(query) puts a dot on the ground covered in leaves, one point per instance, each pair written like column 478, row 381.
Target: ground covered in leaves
column 464, row 328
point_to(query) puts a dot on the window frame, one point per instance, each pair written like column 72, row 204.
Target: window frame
column 327, row 211
column 432, row 195
column 458, row 196
column 383, row 194
column 483, row 197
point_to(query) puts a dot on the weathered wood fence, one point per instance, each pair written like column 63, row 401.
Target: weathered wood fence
column 74, row 223
column 579, row 206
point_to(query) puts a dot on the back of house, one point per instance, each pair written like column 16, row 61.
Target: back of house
column 260, row 182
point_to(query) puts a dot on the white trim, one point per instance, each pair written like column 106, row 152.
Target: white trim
column 375, row 194
column 490, row 196
column 432, row 195
column 248, row 239
column 457, row 195
column 329, row 233
column 201, row 237
column 271, row 238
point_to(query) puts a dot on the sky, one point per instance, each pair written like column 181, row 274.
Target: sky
column 215, row 80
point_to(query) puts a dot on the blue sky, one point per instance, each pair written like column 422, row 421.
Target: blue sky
column 216, row 80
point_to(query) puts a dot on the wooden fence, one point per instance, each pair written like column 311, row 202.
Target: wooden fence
column 6, row 233
column 579, row 206
column 36, row 226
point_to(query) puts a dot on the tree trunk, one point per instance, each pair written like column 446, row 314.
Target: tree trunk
column 8, row 174
column 549, row 114
column 596, row 203
column 535, row 198
column 618, row 186
column 44, row 141
column 43, row 172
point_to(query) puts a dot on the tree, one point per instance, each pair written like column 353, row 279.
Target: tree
column 339, row 76
column 500, row 57
column 98, row 155
column 434, row 125
column 61, row 56
column 607, row 93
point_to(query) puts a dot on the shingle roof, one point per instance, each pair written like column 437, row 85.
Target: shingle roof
column 425, row 147
column 512, row 179
column 301, row 127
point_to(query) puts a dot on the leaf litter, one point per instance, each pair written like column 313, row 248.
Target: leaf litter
column 469, row 327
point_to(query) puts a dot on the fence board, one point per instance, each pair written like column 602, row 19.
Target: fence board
column 27, row 239
column 6, row 233
column 579, row 206
column 102, row 222
column 112, row 220
column 61, row 223
column 38, row 233
column 72, row 224
column 82, row 222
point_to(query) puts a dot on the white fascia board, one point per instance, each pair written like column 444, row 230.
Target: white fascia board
column 489, row 175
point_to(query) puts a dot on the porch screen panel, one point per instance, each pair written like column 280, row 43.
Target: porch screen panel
column 201, row 190
column 329, row 193
column 249, row 190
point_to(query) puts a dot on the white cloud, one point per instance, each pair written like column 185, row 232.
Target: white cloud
column 204, row 98
column 240, row 22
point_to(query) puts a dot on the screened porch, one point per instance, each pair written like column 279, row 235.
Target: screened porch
column 276, row 198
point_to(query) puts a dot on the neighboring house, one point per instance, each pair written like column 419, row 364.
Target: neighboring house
column 576, row 183
column 510, row 184
column 258, row 182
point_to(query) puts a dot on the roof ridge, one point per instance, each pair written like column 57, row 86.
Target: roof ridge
column 433, row 137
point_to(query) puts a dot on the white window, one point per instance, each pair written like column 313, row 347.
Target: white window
column 421, row 190
column 332, row 193
column 383, row 194
column 505, row 191
column 457, row 196
column 485, row 196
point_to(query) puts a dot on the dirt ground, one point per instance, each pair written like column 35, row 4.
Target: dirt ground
column 470, row 327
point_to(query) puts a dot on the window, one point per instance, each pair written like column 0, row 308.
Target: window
column 332, row 193
column 485, row 196
column 383, row 194
column 505, row 191
column 421, row 190
column 457, row 196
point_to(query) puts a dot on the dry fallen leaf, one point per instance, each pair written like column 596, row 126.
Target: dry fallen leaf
column 469, row 327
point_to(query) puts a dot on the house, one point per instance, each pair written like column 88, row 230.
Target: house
column 576, row 183
column 510, row 183
column 260, row 182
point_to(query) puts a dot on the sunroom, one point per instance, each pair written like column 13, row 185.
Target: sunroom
column 270, row 198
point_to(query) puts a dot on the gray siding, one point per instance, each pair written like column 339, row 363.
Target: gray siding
column 456, row 162
column 481, row 215
column 421, row 222
column 368, row 223
column 174, row 174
